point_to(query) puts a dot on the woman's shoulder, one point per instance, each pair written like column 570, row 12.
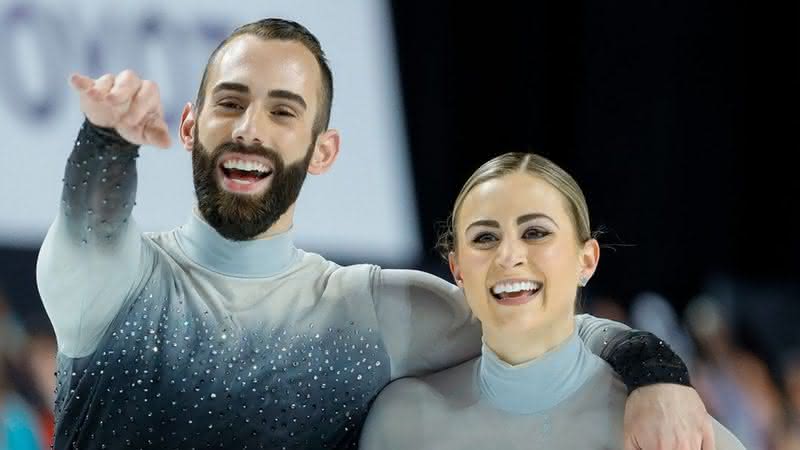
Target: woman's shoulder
column 408, row 406
column 455, row 383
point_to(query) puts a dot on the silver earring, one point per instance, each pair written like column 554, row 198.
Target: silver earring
column 583, row 280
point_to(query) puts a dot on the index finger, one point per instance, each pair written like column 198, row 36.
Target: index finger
column 80, row 82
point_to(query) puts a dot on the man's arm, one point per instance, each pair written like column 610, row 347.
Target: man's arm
column 92, row 255
column 427, row 326
column 638, row 357
column 662, row 410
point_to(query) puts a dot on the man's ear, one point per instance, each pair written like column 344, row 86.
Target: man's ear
column 186, row 129
column 326, row 150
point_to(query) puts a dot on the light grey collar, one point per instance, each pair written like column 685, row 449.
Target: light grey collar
column 258, row 258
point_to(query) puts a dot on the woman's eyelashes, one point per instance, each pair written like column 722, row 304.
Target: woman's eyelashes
column 535, row 233
column 486, row 239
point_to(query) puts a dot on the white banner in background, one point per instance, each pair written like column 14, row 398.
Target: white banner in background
column 363, row 208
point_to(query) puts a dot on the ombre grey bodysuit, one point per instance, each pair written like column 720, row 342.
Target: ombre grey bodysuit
column 184, row 339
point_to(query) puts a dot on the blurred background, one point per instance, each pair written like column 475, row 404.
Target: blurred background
column 678, row 119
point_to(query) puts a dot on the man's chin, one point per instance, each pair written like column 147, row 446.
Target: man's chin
column 236, row 223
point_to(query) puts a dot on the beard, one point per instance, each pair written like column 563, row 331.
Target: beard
column 241, row 217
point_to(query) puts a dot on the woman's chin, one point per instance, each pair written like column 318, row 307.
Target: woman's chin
column 521, row 321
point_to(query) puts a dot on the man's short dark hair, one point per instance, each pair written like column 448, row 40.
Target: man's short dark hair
column 283, row 30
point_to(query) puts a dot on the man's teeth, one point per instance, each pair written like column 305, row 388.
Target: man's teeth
column 500, row 288
column 245, row 165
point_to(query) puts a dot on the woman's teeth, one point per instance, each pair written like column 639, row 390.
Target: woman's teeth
column 514, row 287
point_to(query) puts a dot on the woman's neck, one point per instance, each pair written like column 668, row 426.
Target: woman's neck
column 517, row 347
column 541, row 383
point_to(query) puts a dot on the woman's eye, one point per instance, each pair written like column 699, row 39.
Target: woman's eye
column 484, row 238
column 535, row 233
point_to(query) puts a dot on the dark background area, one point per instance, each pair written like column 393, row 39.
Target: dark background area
column 678, row 119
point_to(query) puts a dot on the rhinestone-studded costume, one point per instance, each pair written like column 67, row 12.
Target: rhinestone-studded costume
column 184, row 339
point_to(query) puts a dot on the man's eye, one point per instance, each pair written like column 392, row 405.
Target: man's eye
column 230, row 105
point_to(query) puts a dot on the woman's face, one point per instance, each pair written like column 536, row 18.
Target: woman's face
column 518, row 257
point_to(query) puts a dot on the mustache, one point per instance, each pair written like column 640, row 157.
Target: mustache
column 254, row 149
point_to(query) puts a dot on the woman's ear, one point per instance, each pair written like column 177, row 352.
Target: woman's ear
column 455, row 269
column 589, row 258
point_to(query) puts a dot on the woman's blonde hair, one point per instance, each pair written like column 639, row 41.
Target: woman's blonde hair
column 532, row 164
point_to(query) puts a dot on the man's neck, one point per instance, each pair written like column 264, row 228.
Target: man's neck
column 284, row 224
column 253, row 258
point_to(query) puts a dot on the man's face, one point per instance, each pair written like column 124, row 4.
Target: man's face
column 253, row 137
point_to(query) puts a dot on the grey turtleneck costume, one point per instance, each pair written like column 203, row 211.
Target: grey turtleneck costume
column 184, row 339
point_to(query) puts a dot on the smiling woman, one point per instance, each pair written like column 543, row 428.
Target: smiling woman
column 520, row 248
column 538, row 236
